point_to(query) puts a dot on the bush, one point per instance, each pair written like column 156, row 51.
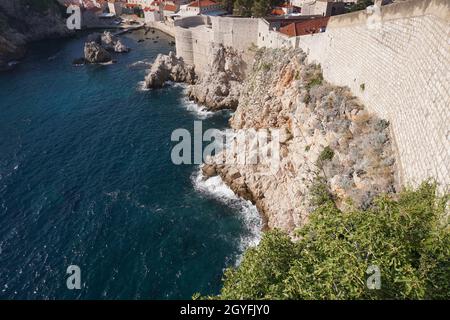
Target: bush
column 326, row 154
column 407, row 238
column 266, row 66
column 315, row 79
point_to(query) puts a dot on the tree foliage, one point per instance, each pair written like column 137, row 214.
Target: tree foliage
column 360, row 5
column 406, row 237
column 255, row 8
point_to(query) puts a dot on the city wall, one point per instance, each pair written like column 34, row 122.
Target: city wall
column 398, row 65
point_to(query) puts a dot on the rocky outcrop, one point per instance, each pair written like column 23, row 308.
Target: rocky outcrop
column 107, row 40
column 119, row 47
column 326, row 138
column 112, row 43
column 25, row 21
column 98, row 47
column 95, row 53
column 219, row 87
column 168, row 68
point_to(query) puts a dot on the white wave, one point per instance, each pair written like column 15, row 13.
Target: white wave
column 141, row 86
column 214, row 187
column 200, row 111
column 141, row 64
column 175, row 84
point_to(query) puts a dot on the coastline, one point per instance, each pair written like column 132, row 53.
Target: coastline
column 134, row 210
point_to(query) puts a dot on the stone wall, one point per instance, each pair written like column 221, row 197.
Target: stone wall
column 166, row 28
column 195, row 34
column 400, row 68
column 238, row 33
column 270, row 38
column 398, row 65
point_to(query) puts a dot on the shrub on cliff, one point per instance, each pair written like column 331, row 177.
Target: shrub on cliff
column 407, row 239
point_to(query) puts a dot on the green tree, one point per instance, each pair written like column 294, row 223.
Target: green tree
column 256, row 8
column 407, row 237
column 227, row 5
column 243, row 7
column 360, row 5
column 261, row 8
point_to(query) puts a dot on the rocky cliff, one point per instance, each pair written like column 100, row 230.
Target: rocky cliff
column 328, row 142
column 217, row 88
column 168, row 68
column 24, row 21
column 220, row 86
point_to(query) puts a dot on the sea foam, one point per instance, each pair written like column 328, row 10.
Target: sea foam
column 199, row 111
column 214, row 187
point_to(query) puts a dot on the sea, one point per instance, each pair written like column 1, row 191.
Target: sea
column 91, row 204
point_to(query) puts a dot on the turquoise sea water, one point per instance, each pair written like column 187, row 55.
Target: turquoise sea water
column 86, row 179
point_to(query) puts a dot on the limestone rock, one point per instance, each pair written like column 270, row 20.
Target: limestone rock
column 209, row 170
column 22, row 24
column 168, row 68
column 108, row 41
column 95, row 53
column 119, row 47
column 220, row 85
column 112, row 43
column 284, row 92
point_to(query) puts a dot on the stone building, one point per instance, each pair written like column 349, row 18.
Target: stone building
column 115, row 7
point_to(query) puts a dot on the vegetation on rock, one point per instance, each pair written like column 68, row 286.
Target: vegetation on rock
column 326, row 154
column 406, row 236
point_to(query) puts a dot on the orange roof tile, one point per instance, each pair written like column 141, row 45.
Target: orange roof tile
column 170, row 7
column 277, row 12
column 202, row 3
column 305, row 27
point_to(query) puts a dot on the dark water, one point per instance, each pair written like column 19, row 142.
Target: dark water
column 86, row 179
